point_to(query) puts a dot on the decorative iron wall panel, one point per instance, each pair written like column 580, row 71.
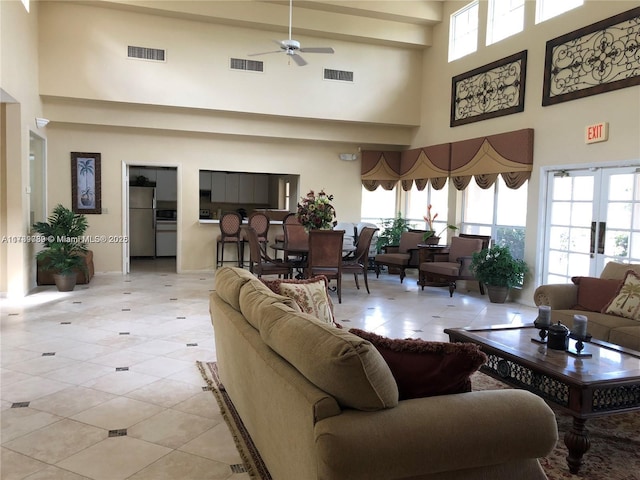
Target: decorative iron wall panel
column 598, row 58
column 490, row 91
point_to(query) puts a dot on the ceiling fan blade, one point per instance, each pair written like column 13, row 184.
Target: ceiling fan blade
column 298, row 59
column 318, row 50
column 263, row 53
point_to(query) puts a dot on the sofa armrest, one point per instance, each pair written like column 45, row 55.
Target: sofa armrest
column 436, row 434
column 559, row 296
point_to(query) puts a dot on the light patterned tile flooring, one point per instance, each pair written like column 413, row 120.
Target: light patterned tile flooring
column 100, row 383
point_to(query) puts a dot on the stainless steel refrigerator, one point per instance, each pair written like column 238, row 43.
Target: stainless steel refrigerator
column 142, row 221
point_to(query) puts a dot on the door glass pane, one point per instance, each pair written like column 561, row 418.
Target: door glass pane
column 583, row 188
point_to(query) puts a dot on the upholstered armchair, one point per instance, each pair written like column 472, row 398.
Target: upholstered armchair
column 455, row 266
column 402, row 256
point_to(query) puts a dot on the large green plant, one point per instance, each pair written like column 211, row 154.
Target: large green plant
column 497, row 267
column 392, row 229
column 63, row 240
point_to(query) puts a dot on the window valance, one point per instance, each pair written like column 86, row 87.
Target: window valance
column 507, row 154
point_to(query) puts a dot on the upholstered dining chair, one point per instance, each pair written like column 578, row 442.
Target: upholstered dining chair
column 230, row 225
column 325, row 256
column 360, row 262
column 259, row 262
column 403, row 256
column 260, row 223
column 296, row 244
column 456, row 265
column 290, row 218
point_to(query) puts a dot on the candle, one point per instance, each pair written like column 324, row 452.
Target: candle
column 544, row 316
column 579, row 326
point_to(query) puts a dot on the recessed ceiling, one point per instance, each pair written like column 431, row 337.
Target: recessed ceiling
column 405, row 23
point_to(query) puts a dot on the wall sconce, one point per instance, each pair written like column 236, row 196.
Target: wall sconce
column 41, row 122
column 348, row 157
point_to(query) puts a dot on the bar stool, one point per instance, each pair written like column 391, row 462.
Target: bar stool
column 230, row 224
column 260, row 223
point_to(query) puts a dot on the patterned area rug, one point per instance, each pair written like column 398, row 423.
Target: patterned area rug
column 614, row 452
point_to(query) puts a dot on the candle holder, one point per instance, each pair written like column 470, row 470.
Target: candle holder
column 542, row 333
column 579, row 347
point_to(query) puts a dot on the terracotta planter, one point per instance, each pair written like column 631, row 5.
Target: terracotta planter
column 65, row 283
column 497, row 294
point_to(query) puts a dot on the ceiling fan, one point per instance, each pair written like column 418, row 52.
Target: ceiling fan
column 292, row 47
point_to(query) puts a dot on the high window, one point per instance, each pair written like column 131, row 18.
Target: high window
column 505, row 18
column 26, row 4
column 463, row 31
column 498, row 211
column 546, row 9
column 378, row 205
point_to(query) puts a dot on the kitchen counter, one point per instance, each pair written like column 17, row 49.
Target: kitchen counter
column 216, row 221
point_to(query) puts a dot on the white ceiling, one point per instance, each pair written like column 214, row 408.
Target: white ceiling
column 405, row 23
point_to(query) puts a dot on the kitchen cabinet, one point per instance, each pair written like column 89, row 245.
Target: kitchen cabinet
column 205, row 180
column 166, row 238
column 245, row 188
column 232, row 184
column 261, row 189
column 218, row 187
column 166, row 185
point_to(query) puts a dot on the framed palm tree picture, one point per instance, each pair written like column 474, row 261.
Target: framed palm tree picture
column 85, row 183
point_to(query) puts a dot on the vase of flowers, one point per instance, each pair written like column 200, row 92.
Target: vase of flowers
column 316, row 211
column 430, row 237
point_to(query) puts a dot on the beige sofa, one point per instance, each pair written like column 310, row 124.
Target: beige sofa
column 321, row 403
column 565, row 302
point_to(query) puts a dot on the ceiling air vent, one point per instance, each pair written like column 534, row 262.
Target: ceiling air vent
column 249, row 65
column 341, row 75
column 144, row 53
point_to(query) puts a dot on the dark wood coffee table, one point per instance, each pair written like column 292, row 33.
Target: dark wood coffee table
column 606, row 383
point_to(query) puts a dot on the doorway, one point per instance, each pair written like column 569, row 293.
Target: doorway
column 151, row 209
column 592, row 217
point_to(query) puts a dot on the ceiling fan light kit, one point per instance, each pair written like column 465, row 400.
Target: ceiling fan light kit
column 292, row 47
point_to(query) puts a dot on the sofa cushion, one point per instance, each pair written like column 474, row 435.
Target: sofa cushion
column 311, row 295
column 595, row 293
column 255, row 296
column 628, row 337
column 342, row 364
column 426, row 369
column 626, row 303
column 618, row 270
column 228, row 281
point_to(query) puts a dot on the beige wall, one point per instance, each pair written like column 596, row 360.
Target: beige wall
column 558, row 129
column 20, row 105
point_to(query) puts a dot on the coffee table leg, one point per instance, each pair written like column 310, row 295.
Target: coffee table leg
column 577, row 442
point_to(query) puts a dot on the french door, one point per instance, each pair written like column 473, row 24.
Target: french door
column 592, row 217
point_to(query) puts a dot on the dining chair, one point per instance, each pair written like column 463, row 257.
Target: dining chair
column 259, row 262
column 296, row 244
column 456, row 265
column 360, row 262
column 325, row 256
column 260, row 223
column 289, row 218
column 230, row 225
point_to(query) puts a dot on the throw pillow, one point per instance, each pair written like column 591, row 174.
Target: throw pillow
column 311, row 295
column 595, row 293
column 426, row 369
column 626, row 303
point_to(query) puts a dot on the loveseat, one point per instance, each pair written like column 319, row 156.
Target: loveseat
column 590, row 296
column 321, row 403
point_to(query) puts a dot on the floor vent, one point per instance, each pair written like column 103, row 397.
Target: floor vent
column 340, row 75
column 144, row 53
column 249, row 65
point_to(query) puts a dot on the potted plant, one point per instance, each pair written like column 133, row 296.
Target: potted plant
column 64, row 248
column 392, row 229
column 430, row 236
column 498, row 270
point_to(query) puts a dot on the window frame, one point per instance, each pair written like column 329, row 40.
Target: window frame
column 455, row 40
column 507, row 17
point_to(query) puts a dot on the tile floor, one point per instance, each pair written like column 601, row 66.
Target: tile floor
column 101, row 383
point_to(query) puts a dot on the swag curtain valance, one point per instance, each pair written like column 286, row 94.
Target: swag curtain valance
column 484, row 158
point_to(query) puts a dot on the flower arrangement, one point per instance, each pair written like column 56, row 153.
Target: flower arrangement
column 430, row 218
column 316, row 211
column 496, row 266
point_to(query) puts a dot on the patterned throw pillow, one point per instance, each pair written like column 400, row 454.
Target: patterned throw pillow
column 311, row 295
column 427, row 369
column 626, row 303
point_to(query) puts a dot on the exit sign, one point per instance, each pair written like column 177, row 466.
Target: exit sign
column 598, row 132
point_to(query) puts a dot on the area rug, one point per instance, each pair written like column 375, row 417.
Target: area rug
column 614, row 452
